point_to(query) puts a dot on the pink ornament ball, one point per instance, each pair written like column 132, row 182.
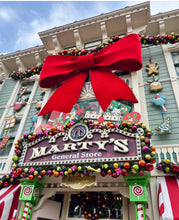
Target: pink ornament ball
column 145, row 149
column 160, row 166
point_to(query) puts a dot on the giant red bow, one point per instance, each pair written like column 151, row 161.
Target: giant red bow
column 124, row 54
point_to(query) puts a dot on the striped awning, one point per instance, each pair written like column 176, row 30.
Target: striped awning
column 168, row 197
column 9, row 197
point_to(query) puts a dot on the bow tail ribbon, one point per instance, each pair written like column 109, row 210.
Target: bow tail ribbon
column 65, row 100
column 107, row 87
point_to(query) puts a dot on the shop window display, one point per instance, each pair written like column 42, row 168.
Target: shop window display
column 96, row 205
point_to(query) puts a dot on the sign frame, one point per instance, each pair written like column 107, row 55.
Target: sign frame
column 104, row 134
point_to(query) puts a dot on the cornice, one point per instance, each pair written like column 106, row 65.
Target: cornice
column 164, row 16
column 96, row 19
column 19, row 53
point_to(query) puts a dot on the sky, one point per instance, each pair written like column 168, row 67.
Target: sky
column 20, row 21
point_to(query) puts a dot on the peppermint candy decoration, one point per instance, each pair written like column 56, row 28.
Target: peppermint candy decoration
column 137, row 190
column 27, row 191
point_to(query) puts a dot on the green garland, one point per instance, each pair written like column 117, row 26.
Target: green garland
column 114, row 169
column 145, row 40
column 27, row 73
column 168, row 167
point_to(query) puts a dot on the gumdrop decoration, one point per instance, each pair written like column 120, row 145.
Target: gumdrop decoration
column 155, row 85
column 160, row 101
column 152, row 68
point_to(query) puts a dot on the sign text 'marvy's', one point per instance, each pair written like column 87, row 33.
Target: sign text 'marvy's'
column 119, row 145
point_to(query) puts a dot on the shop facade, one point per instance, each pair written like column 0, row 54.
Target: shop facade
column 91, row 163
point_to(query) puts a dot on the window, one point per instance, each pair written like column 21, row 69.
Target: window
column 7, row 138
column 93, row 44
column 175, row 56
column 101, row 205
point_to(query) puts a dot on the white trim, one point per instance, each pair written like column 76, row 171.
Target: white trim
column 172, row 72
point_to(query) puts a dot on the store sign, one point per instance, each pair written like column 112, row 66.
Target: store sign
column 81, row 145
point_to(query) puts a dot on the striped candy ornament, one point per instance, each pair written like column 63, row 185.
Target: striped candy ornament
column 168, row 194
column 140, row 214
column 9, row 198
column 27, row 212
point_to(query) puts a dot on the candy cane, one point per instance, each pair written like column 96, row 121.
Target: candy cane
column 140, row 212
column 23, row 89
column 27, row 211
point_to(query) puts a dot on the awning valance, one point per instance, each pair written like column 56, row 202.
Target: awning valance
column 168, row 197
column 9, row 197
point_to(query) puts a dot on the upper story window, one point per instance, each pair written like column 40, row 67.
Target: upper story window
column 15, row 112
column 175, row 56
column 93, row 44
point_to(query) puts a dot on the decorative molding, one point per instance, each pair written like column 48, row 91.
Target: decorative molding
column 77, row 38
column 104, row 31
column 129, row 23
column 79, row 182
column 100, row 18
column 162, row 27
column 87, row 92
column 21, row 66
column 23, row 53
column 56, row 43
column 38, row 58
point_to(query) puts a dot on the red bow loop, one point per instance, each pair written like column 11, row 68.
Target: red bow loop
column 72, row 71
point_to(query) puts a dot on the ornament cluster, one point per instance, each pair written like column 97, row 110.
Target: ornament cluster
column 168, row 167
column 113, row 169
column 27, row 73
column 145, row 40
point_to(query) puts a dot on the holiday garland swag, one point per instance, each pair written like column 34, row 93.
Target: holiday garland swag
column 114, row 169
column 145, row 40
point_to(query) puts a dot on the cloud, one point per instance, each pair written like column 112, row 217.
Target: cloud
column 7, row 14
column 59, row 13
column 54, row 14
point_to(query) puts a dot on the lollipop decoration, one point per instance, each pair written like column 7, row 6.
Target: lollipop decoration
column 160, row 101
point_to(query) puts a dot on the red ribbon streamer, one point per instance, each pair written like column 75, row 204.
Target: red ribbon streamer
column 72, row 71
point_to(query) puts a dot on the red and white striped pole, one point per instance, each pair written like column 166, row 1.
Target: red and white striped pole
column 27, row 211
column 140, row 211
